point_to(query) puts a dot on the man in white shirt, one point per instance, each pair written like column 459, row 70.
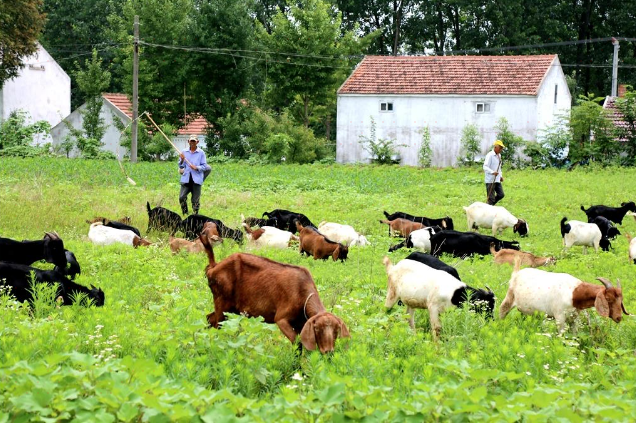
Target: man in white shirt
column 493, row 175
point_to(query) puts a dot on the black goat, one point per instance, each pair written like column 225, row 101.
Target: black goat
column 462, row 244
column 19, row 280
column 615, row 214
column 162, row 219
column 73, row 268
column 608, row 230
column 434, row 262
column 257, row 221
column 192, row 226
column 51, row 249
column 284, row 219
column 446, row 223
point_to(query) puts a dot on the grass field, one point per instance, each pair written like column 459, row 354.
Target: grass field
column 148, row 356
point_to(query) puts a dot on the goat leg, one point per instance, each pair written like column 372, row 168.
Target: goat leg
column 287, row 329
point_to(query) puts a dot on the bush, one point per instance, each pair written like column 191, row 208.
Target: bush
column 277, row 146
column 471, row 141
column 425, row 156
column 15, row 132
column 511, row 141
column 26, row 151
column 382, row 150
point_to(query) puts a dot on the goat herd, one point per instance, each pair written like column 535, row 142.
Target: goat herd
column 287, row 294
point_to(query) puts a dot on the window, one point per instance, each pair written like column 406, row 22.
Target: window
column 555, row 93
column 386, row 107
column 483, row 108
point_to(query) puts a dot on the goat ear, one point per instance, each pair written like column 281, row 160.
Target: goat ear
column 336, row 253
column 601, row 304
column 308, row 335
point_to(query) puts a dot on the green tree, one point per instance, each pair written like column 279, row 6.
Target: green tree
column 470, row 141
column 382, row 150
column 425, row 156
column 592, row 132
column 21, row 22
column 15, row 131
column 512, row 142
column 309, row 57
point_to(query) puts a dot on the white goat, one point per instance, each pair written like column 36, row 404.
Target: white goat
column 105, row 235
column 632, row 248
column 576, row 232
column 560, row 295
column 269, row 236
column 420, row 238
column 343, row 234
column 421, row 286
column 496, row 217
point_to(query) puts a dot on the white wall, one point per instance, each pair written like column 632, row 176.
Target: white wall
column 445, row 115
column 111, row 137
column 43, row 90
column 547, row 110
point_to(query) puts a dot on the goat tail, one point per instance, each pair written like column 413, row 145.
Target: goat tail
column 386, row 214
column 148, row 206
column 517, row 264
column 564, row 228
column 387, row 263
column 583, row 208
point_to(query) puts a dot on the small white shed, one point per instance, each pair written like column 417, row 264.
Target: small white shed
column 404, row 94
column 42, row 89
column 118, row 106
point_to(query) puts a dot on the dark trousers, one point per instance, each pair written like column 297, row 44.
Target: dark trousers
column 187, row 188
column 494, row 192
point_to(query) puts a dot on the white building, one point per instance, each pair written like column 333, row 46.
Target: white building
column 405, row 94
column 118, row 106
column 42, row 89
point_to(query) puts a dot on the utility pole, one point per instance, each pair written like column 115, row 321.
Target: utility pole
column 135, row 95
column 615, row 67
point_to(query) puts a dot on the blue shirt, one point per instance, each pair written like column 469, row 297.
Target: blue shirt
column 198, row 159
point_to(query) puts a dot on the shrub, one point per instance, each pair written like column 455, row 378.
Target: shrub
column 16, row 132
column 589, row 125
column 511, row 141
column 425, row 155
column 471, row 141
column 277, row 146
column 381, row 150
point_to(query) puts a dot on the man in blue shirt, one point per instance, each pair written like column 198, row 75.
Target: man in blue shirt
column 193, row 169
column 492, row 174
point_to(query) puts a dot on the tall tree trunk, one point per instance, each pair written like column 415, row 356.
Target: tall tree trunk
column 397, row 20
column 440, row 27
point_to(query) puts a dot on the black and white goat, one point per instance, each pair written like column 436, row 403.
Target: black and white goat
column 285, row 219
column 444, row 222
column 461, row 244
column 19, row 279
column 576, row 232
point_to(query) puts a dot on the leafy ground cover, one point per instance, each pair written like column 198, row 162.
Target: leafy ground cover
column 148, row 356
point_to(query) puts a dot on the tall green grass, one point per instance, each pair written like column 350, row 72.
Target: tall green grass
column 148, row 355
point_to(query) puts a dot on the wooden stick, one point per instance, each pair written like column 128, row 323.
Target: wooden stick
column 168, row 139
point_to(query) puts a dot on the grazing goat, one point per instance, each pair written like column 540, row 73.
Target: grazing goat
column 420, row 286
column 343, row 234
column 280, row 293
column 576, row 232
column 313, row 243
column 284, row 219
column 461, row 244
column 196, row 246
column 105, row 235
column 162, row 219
column 192, row 226
column 420, row 238
column 18, row 278
column 615, row 214
column 434, row 262
column 632, row 248
column 444, row 222
column 402, row 226
column 608, row 230
column 257, row 221
column 496, row 218
column 506, row 255
column 560, row 295
column 125, row 220
column 73, row 266
column 269, row 236
column 50, row 248
column 122, row 226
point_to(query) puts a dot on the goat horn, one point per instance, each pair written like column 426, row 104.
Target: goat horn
column 489, row 289
column 605, row 282
column 624, row 311
column 618, row 283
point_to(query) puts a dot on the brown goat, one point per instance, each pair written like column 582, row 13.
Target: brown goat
column 402, row 226
column 507, row 255
column 313, row 243
column 138, row 241
column 196, row 246
column 280, row 293
column 125, row 220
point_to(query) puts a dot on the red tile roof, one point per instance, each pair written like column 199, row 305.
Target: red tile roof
column 197, row 125
column 440, row 75
column 613, row 113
